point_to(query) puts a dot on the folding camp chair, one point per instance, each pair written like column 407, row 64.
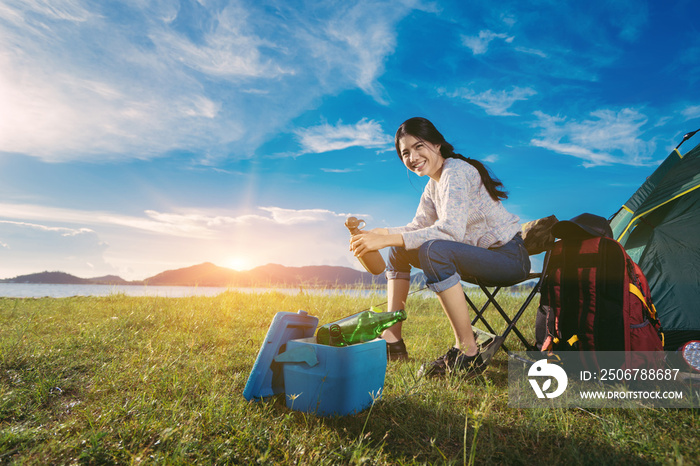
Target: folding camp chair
column 538, row 238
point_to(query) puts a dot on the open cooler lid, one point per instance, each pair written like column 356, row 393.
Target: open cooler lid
column 265, row 378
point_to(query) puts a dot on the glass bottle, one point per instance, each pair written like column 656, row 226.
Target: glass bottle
column 372, row 261
column 335, row 336
column 358, row 328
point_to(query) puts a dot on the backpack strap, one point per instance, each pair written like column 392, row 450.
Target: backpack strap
column 637, row 291
column 569, row 285
column 651, row 311
column 649, row 307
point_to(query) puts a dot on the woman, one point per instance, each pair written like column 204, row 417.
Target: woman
column 461, row 229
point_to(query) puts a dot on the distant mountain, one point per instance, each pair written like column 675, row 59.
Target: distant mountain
column 208, row 274
column 112, row 280
column 62, row 278
column 320, row 275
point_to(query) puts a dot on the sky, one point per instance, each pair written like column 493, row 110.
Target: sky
column 141, row 136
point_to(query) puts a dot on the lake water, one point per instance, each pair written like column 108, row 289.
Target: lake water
column 32, row 290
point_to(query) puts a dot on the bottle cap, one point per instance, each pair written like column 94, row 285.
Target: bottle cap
column 353, row 222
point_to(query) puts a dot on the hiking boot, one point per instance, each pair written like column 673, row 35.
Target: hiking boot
column 396, row 351
column 453, row 362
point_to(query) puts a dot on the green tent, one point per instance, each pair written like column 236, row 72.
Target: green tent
column 659, row 226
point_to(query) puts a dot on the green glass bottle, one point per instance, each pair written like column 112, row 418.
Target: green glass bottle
column 335, row 336
column 358, row 328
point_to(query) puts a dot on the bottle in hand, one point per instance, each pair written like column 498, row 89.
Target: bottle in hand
column 372, row 261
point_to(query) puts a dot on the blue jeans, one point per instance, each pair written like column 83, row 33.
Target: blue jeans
column 445, row 263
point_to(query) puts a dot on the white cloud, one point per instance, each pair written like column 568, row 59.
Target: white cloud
column 54, row 111
column 363, row 41
column 495, row 103
column 350, row 41
column 338, row 170
column 295, row 216
column 209, row 80
column 227, row 50
column 42, row 238
column 28, row 13
column 152, row 222
column 189, row 223
column 691, row 112
column 479, row 44
column 607, row 137
column 30, row 248
column 325, row 138
column 531, row 51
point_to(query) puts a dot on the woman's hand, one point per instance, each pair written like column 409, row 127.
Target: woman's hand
column 373, row 240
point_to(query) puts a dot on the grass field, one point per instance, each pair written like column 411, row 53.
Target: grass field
column 121, row 380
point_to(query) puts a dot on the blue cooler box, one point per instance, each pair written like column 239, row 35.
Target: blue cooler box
column 319, row 379
column 338, row 381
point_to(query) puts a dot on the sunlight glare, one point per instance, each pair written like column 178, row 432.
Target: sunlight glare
column 237, row 263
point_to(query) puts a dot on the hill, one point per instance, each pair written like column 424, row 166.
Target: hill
column 208, row 274
column 62, row 278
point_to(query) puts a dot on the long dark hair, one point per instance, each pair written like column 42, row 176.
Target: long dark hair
column 423, row 129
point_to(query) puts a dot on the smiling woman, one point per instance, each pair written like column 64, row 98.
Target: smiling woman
column 461, row 231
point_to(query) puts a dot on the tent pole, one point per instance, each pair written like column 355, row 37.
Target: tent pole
column 686, row 137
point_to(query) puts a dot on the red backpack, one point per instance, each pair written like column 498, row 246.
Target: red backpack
column 595, row 298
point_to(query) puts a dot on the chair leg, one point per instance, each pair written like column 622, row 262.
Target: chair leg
column 534, row 292
column 511, row 323
column 517, row 316
column 479, row 313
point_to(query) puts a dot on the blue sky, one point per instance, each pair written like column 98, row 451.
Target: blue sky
column 139, row 136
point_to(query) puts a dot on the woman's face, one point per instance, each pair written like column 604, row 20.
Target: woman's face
column 421, row 157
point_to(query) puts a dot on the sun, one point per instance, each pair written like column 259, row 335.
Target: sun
column 238, row 263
